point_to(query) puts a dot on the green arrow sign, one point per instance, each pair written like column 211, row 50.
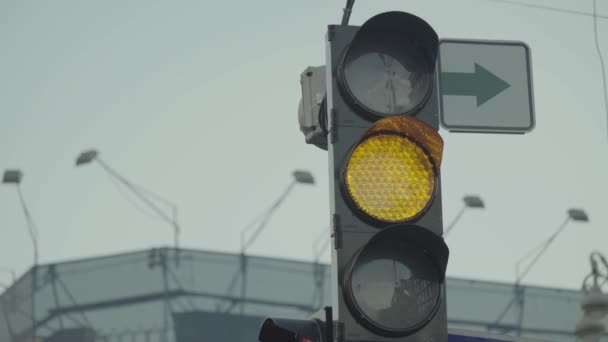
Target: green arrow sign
column 482, row 84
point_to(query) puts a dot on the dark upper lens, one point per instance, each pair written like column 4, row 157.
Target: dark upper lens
column 387, row 75
column 395, row 285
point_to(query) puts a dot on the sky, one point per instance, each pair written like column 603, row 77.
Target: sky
column 197, row 101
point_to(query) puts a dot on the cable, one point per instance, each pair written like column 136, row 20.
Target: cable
column 247, row 242
column 595, row 16
column 549, row 8
column 347, row 11
column 181, row 288
column 323, row 238
column 252, row 224
column 136, row 192
column 231, row 288
column 124, row 194
column 74, row 302
column 540, row 250
column 170, row 205
column 599, row 52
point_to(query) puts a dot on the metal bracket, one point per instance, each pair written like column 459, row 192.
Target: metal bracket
column 337, row 233
column 339, row 330
column 329, row 324
column 333, row 132
column 331, row 32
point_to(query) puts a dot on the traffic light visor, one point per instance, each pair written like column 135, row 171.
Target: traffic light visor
column 388, row 68
column 391, row 173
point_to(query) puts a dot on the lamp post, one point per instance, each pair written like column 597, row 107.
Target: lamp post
column 318, row 248
column 595, row 302
column 299, row 177
column 15, row 177
column 469, row 201
column 145, row 196
column 576, row 215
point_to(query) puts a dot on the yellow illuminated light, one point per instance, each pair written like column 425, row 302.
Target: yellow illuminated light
column 389, row 175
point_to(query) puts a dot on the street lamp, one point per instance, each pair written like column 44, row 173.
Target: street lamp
column 15, row 177
column 595, row 302
column 144, row 195
column 469, row 201
column 298, row 177
column 148, row 198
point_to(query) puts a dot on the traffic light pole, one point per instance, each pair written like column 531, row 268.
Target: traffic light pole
column 347, row 11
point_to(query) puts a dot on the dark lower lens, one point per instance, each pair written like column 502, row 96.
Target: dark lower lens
column 395, row 285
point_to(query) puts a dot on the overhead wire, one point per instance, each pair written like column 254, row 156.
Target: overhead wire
column 347, row 11
column 601, row 58
column 127, row 197
column 595, row 17
column 548, row 8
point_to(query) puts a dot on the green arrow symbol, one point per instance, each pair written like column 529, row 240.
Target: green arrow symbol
column 482, row 84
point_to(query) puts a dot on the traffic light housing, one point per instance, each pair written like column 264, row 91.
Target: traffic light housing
column 377, row 116
column 389, row 259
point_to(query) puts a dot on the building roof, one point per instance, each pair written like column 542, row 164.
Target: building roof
column 128, row 293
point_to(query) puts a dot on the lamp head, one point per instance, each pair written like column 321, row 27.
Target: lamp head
column 12, row 177
column 86, row 157
column 578, row 215
column 473, row 202
column 304, row 177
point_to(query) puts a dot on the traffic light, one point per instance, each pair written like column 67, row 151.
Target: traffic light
column 389, row 259
column 291, row 330
column 374, row 108
column 314, row 329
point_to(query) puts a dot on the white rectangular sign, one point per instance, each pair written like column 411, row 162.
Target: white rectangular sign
column 485, row 86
